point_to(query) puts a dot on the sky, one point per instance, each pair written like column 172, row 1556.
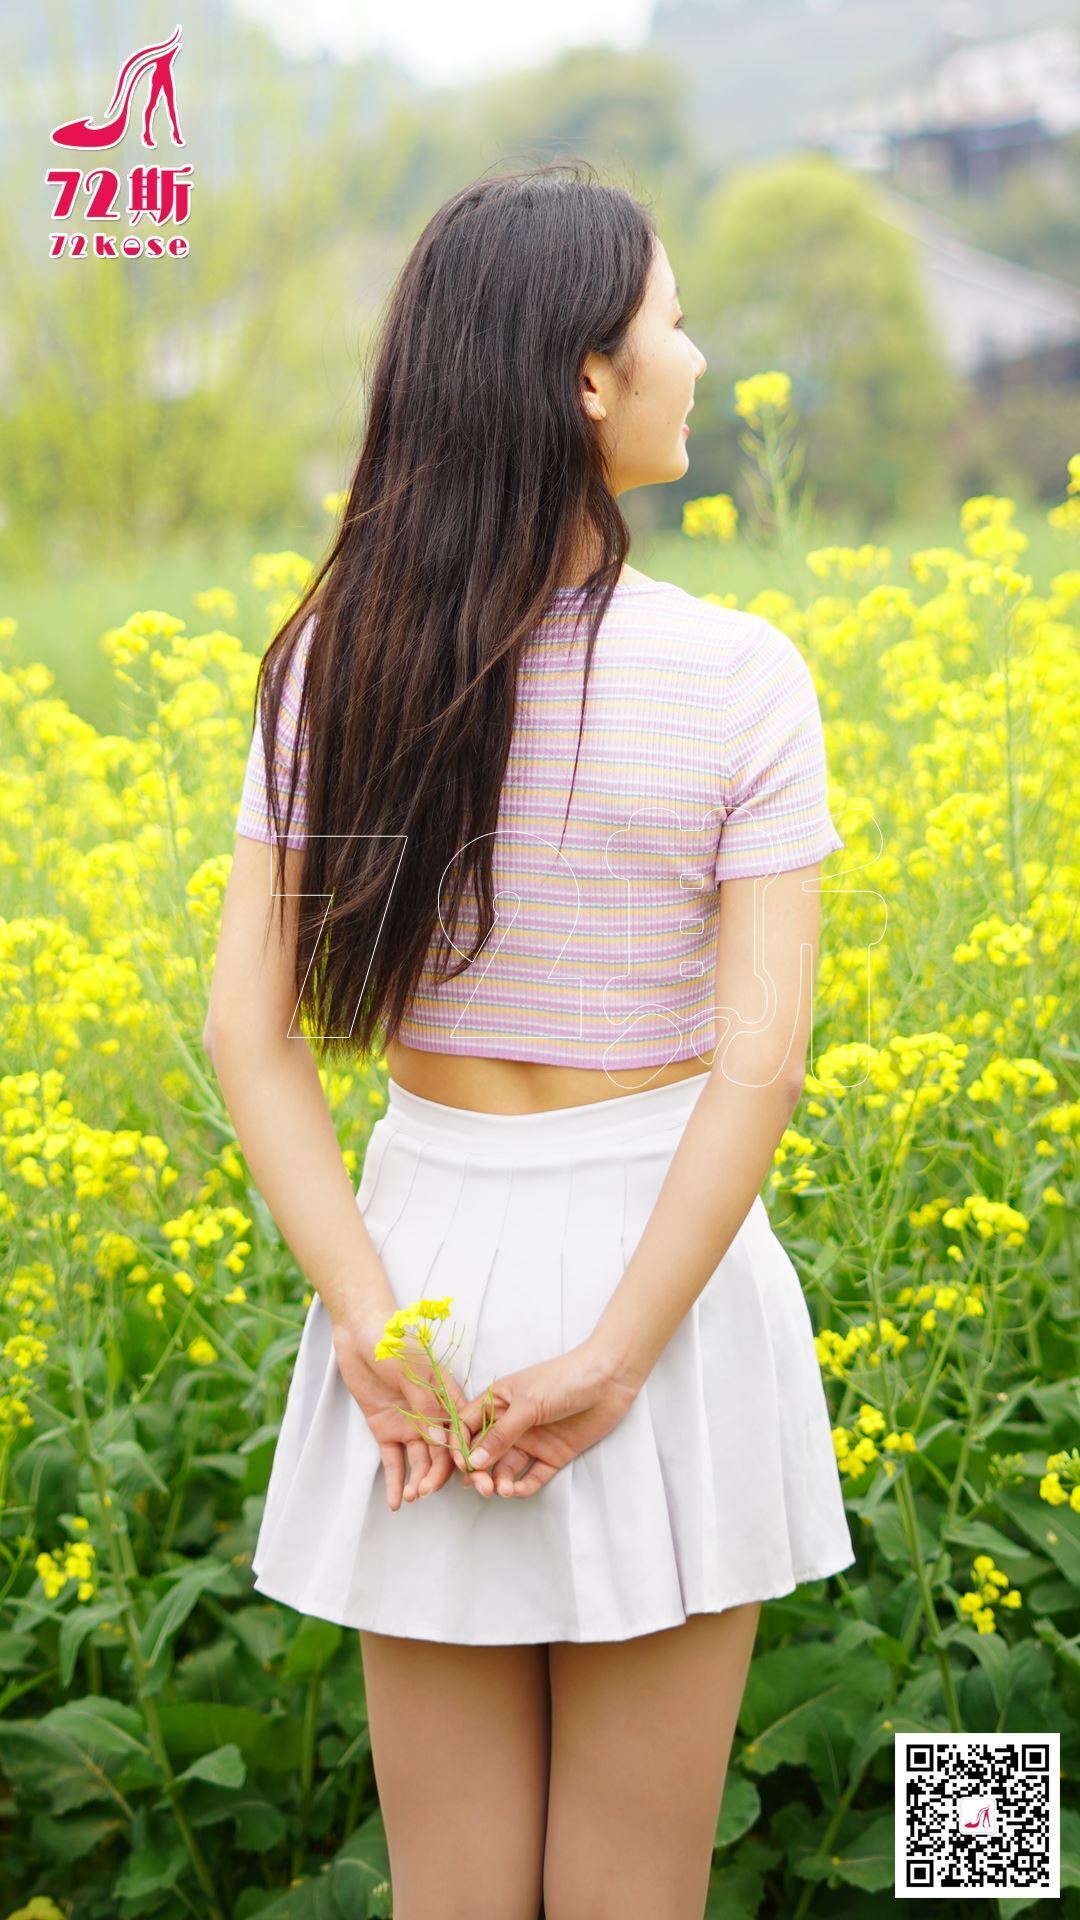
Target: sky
column 443, row 42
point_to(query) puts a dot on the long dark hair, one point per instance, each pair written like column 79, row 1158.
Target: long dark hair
column 479, row 481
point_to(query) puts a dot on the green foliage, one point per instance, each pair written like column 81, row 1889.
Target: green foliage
column 795, row 268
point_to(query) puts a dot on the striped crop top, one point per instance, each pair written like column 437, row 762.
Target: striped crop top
column 702, row 760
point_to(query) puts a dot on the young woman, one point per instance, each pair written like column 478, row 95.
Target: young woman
column 548, row 832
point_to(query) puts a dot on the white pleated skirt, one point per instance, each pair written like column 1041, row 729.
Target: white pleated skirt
column 718, row 1486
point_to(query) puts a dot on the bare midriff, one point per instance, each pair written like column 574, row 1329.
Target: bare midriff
column 484, row 1085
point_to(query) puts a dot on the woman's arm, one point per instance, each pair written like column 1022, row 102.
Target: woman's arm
column 276, row 1102
column 765, row 964
column 274, row 1095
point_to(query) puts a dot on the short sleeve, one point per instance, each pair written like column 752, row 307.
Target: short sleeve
column 253, row 817
column 773, row 769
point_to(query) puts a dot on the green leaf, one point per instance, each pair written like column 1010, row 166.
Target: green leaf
column 314, row 1643
column 355, row 1885
column 1056, row 1401
column 992, row 1653
column 975, row 1537
column 882, row 1733
column 981, row 1537
column 1050, row 1595
column 223, row 1767
column 15, row 1650
column 258, row 1824
column 366, row 1846
column 311, row 1900
column 793, row 1692
column 173, row 1608
column 797, row 1832
column 76, row 1626
column 1068, row 1651
column 151, row 1869
column 1001, row 1411
column 230, row 1465
column 208, row 1672
column 267, row 1740
column 70, row 1839
column 103, row 1726
column 1054, row 1530
column 740, row 1808
column 1070, row 1848
column 348, row 1699
column 736, row 1884
column 869, row 1859
column 890, row 1537
column 131, row 1467
column 260, row 1631
column 71, row 1755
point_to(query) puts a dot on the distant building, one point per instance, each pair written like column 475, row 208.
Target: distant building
column 997, row 321
column 978, row 111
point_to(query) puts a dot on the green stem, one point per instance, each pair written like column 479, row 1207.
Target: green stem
column 307, row 1766
column 356, row 1791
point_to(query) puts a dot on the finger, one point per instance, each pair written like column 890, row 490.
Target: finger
column 393, row 1461
column 473, row 1476
column 419, row 1461
column 474, row 1411
column 508, row 1467
column 503, row 1435
column 440, row 1470
column 482, row 1481
column 538, row 1476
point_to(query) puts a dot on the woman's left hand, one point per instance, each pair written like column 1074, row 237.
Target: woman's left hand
column 546, row 1414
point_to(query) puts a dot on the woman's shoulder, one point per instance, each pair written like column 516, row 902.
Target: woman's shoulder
column 702, row 616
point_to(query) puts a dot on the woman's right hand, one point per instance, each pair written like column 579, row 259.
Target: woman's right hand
column 380, row 1388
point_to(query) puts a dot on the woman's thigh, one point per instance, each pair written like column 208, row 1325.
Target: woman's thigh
column 460, row 1741
column 641, row 1732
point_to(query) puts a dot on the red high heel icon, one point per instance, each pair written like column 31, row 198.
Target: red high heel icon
column 157, row 61
column 982, row 1819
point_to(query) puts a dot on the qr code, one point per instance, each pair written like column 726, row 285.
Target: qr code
column 977, row 1814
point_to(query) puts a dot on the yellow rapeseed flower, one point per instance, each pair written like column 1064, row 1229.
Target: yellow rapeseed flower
column 713, row 516
column 216, row 602
column 761, row 393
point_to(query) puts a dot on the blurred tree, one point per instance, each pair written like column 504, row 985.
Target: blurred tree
column 624, row 110
column 795, row 270
column 142, row 397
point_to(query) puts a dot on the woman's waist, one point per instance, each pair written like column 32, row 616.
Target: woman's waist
column 520, row 1089
column 620, row 1122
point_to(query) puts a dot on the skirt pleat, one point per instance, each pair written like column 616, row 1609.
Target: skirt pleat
column 719, row 1485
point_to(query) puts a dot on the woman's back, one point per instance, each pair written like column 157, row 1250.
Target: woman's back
column 701, row 760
